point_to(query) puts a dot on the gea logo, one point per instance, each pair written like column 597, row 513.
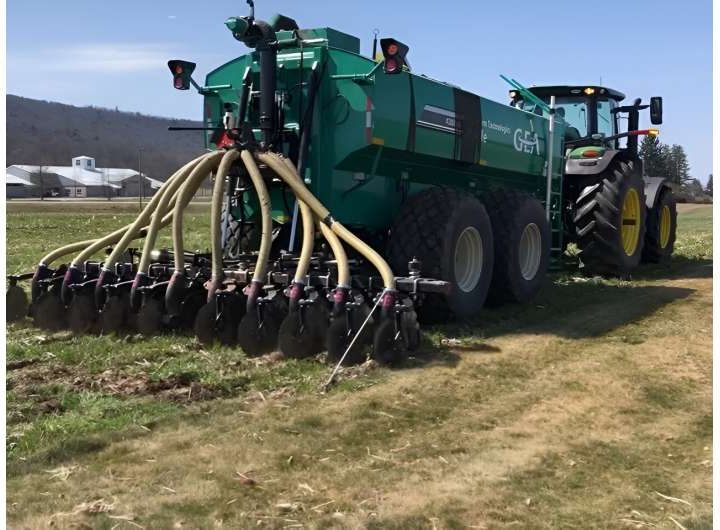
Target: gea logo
column 526, row 141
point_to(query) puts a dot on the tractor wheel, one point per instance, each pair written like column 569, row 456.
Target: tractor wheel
column 661, row 227
column 522, row 246
column 240, row 237
column 451, row 234
column 610, row 221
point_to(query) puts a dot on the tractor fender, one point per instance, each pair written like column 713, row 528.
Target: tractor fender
column 590, row 166
column 654, row 186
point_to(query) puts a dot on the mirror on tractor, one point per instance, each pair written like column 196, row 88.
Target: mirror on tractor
column 656, row 110
column 395, row 53
column 182, row 72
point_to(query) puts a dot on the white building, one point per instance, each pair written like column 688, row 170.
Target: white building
column 80, row 179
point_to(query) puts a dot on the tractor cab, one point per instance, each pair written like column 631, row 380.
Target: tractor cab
column 592, row 114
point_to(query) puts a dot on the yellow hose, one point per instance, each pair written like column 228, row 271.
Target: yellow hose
column 169, row 197
column 192, row 183
column 98, row 244
column 134, row 231
column 340, row 256
column 113, row 236
column 295, row 182
column 216, row 212
column 308, row 242
column 265, row 215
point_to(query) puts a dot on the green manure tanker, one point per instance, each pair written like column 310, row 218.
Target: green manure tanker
column 354, row 198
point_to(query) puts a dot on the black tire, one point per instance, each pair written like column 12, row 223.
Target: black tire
column 241, row 237
column 599, row 219
column 518, row 220
column 428, row 228
column 659, row 247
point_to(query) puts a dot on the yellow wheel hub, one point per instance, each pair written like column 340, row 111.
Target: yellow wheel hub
column 665, row 222
column 631, row 222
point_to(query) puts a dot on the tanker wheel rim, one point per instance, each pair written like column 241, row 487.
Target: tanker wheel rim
column 468, row 259
column 630, row 232
column 665, row 226
column 530, row 251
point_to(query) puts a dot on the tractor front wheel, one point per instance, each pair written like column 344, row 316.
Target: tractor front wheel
column 610, row 221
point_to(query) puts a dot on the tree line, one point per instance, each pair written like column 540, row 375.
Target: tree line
column 670, row 161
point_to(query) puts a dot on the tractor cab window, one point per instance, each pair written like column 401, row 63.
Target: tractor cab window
column 574, row 112
column 605, row 119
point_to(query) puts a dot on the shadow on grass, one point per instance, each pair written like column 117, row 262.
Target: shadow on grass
column 573, row 306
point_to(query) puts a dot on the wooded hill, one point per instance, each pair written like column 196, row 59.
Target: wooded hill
column 48, row 133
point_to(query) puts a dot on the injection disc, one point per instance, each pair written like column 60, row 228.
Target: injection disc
column 49, row 312
column 256, row 338
column 114, row 313
column 388, row 345
column 340, row 336
column 82, row 314
column 302, row 337
column 16, row 304
column 149, row 318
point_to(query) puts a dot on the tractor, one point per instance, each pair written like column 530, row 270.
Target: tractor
column 616, row 215
column 354, row 199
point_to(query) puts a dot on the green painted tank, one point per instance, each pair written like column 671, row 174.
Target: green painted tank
column 376, row 137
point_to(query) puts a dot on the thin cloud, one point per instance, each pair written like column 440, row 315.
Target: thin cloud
column 96, row 58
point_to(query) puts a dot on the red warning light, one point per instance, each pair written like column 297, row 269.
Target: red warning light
column 392, row 49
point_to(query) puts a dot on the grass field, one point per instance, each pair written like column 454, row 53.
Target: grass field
column 590, row 408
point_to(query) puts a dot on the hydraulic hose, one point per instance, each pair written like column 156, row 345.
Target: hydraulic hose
column 215, row 219
column 175, row 288
column 293, row 180
column 266, row 222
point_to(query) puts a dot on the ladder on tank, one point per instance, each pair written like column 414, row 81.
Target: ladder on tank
column 553, row 176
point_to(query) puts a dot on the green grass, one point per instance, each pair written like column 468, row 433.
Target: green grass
column 76, row 398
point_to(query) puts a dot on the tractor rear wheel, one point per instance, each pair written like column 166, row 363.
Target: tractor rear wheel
column 522, row 246
column 661, row 227
column 610, row 221
column 450, row 233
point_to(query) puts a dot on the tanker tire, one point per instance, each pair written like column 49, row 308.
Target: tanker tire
column 241, row 237
column 428, row 228
column 517, row 220
column 653, row 250
column 598, row 221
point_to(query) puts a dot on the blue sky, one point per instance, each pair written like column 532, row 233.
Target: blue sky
column 112, row 54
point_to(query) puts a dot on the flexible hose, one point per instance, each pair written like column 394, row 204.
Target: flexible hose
column 113, row 238
column 169, row 196
column 295, row 182
column 192, row 183
column 216, row 214
column 265, row 215
column 308, row 242
column 340, row 256
column 144, row 217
